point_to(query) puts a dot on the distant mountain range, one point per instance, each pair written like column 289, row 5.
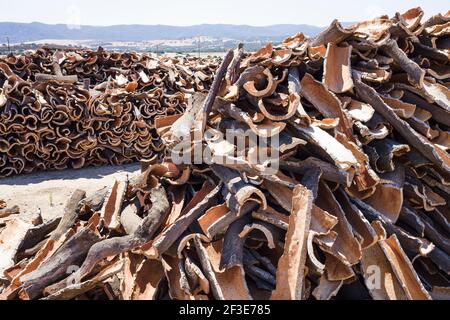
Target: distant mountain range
column 29, row 32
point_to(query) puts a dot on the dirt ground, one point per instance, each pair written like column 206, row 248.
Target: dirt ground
column 49, row 191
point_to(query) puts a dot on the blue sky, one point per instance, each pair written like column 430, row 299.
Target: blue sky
column 179, row 12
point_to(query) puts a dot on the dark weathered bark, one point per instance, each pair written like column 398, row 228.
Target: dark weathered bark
column 311, row 180
column 435, row 236
column 38, row 233
column 270, row 218
column 261, row 274
column 430, row 52
column 233, row 72
column 416, row 245
column 30, row 252
column 209, row 102
column 65, row 291
column 48, row 77
column 58, row 75
column 295, row 88
column 144, row 233
column 411, row 219
column 264, row 261
column 237, row 192
column 215, row 87
column 70, row 214
column 415, row 73
column 94, row 202
column 223, row 223
column 57, row 267
column 329, row 171
column 233, row 244
column 439, row 114
column 169, row 236
column 421, row 144
column 335, row 33
column 207, row 267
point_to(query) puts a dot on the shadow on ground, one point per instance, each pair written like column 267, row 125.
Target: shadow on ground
column 86, row 173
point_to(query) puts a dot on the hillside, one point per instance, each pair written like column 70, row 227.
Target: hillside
column 29, row 32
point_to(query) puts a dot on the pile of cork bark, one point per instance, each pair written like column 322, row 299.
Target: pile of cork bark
column 359, row 121
column 71, row 109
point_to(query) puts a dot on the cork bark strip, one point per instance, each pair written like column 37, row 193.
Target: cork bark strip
column 291, row 267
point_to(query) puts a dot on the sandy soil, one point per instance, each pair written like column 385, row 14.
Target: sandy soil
column 49, row 191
